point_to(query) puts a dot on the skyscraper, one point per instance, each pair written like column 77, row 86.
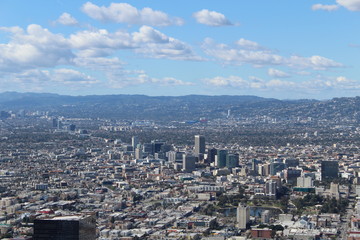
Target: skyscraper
column 242, row 216
column 232, row 160
column 134, row 142
column 65, row 227
column 188, row 163
column 221, row 158
column 199, row 144
column 329, row 170
column 211, row 155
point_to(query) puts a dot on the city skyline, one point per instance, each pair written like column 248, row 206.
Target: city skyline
column 282, row 49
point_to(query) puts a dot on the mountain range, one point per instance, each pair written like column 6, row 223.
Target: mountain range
column 190, row 107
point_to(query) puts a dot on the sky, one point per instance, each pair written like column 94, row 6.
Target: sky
column 269, row 48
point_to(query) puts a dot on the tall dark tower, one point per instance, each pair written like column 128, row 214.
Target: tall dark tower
column 199, row 144
column 329, row 170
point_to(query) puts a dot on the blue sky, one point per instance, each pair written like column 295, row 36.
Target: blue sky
column 282, row 49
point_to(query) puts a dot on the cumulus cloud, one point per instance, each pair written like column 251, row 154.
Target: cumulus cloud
column 318, row 84
column 100, row 38
column 352, row 5
column 126, row 13
column 211, row 18
column 247, row 44
column 67, row 19
column 70, row 76
column 272, row 72
column 325, row 7
column 152, row 43
column 251, row 83
column 147, row 41
column 150, row 35
column 99, row 63
column 35, row 47
column 129, row 78
column 313, row 62
column 240, row 54
column 62, row 75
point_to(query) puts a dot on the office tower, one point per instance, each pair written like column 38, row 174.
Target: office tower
column 138, row 153
column 199, row 144
column 55, row 123
column 65, row 227
column 134, row 142
column 221, row 158
column 254, row 165
column 188, row 162
column 329, row 170
column 175, row 156
column 147, row 148
column 305, row 182
column 232, row 160
column 211, row 155
column 156, row 146
column 334, row 191
column 291, row 175
column 242, row 216
column 270, row 189
column 166, row 148
column 276, row 167
column 265, row 217
column 71, row 127
column 291, row 162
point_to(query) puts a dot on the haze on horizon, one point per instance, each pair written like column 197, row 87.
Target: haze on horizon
column 280, row 49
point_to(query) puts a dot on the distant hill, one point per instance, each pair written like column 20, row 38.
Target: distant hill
column 189, row 107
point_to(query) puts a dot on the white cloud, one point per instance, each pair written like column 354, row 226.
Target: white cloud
column 152, row 43
column 318, row 84
column 247, row 44
column 237, row 55
column 313, row 62
column 352, row 5
column 147, row 41
column 56, row 76
column 325, row 7
column 67, row 19
column 148, row 34
column 37, row 47
column 277, row 73
column 126, row 78
column 70, row 76
column 101, row 39
column 211, row 18
column 252, row 83
column 126, row 13
column 100, row 63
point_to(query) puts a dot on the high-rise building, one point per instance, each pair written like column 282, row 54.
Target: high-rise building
column 189, row 162
column 199, row 144
column 65, row 227
column 147, row 148
column 254, row 165
column 156, row 146
column 134, row 142
column 270, row 189
column 221, row 158
column 232, row 160
column 211, row 155
column 55, row 123
column 242, row 216
column 138, row 153
column 305, row 182
column 329, row 170
column 276, row 167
